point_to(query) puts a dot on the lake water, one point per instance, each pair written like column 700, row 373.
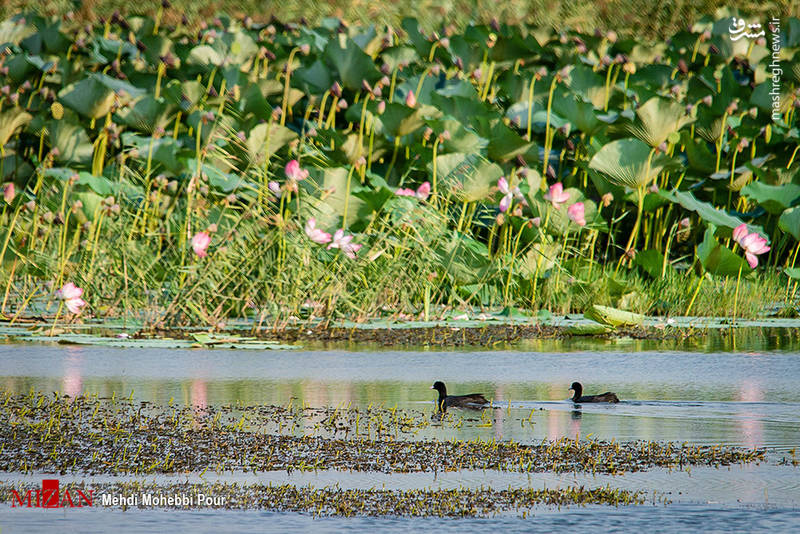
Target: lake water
column 690, row 393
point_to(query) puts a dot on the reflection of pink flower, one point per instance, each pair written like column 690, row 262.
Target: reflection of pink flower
column 294, row 172
column 343, row 243
column 556, row 195
column 422, row 192
column 315, row 234
column 71, row 295
column 752, row 243
column 577, row 213
column 200, row 242
column 274, row 188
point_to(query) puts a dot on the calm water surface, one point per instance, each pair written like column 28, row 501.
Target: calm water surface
column 747, row 397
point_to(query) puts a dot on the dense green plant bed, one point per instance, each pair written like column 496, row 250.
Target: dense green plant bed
column 273, row 170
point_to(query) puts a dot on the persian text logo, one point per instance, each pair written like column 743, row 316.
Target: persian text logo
column 50, row 497
column 739, row 28
column 775, row 67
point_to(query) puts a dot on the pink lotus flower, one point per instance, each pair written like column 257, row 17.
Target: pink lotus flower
column 9, row 192
column 508, row 194
column 577, row 213
column 343, row 243
column 752, row 243
column 71, row 295
column 411, row 99
column 200, row 242
column 422, row 192
column 556, row 195
column 275, row 188
column 315, row 234
column 294, row 172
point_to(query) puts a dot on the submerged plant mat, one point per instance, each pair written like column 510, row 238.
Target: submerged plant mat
column 51, row 433
column 335, row 501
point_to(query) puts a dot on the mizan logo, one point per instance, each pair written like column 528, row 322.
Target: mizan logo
column 50, row 497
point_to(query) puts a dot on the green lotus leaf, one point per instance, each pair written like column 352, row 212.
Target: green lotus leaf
column 353, row 64
column 266, row 139
column 657, row 119
column 773, row 198
column 718, row 259
column 789, row 222
column 629, row 162
column 10, row 121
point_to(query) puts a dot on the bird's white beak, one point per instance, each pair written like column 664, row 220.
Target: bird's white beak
column 433, row 387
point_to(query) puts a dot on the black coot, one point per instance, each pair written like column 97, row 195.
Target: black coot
column 473, row 400
column 605, row 397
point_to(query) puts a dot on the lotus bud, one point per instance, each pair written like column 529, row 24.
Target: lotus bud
column 653, row 188
column 381, row 107
column 203, row 190
column 689, row 109
column 231, row 199
column 386, row 70
column 536, row 221
column 376, row 92
column 630, row 253
column 444, row 136
column 9, row 192
column 662, row 147
column 684, row 229
column 30, row 205
column 212, row 228
column 562, row 38
column 133, row 153
column 108, row 201
column 580, row 47
column 706, row 35
column 517, row 212
column 682, row 66
column 476, row 74
column 675, row 90
column 14, row 98
column 411, row 99
column 436, row 69
column 753, row 112
column 611, row 36
column 342, row 104
column 275, row 188
column 336, row 90
column 732, row 107
column 312, row 132
column 551, row 172
column 276, row 113
column 742, row 144
column 459, row 63
column 426, row 134
column 361, row 162
column 76, row 206
column 74, row 177
column 629, row 67
column 365, row 86
column 761, row 41
column 500, row 220
column 115, row 209
column 384, row 81
column 305, row 49
column 444, row 42
column 172, row 186
column 48, row 217
column 607, row 199
column 707, row 100
column 605, row 60
column 86, row 226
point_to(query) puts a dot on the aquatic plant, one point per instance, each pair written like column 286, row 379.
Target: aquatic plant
column 507, row 165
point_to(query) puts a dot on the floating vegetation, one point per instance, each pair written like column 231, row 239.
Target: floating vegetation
column 51, row 433
column 335, row 501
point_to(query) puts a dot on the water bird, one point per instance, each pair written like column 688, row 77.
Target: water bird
column 605, row 397
column 473, row 400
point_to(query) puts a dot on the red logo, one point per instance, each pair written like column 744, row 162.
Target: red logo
column 50, row 497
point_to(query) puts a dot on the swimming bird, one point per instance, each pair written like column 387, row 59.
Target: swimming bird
column 473, row 400
column 605, row 397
